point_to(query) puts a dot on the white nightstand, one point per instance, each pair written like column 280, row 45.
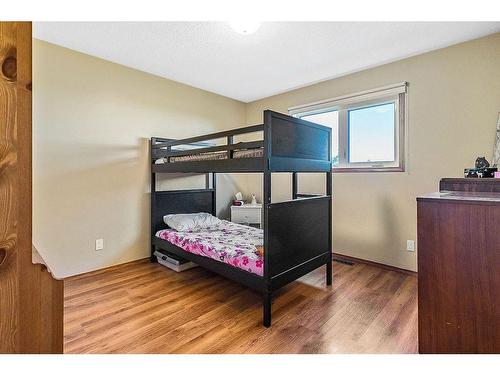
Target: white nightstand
column 247, row 214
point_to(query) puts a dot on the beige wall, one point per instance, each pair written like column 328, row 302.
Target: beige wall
column 91, row 121
column 454, row 99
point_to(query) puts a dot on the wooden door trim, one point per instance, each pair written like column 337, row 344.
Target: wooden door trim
column 32, row 301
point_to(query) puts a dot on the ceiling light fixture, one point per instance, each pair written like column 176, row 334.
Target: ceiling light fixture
column 245, row 27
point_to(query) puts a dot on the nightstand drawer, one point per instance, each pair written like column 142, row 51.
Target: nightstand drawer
column 246, row 215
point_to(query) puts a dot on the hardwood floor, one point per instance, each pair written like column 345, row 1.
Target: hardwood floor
column 144, row 308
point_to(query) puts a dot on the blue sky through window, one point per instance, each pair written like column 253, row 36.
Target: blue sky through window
column 371, row 133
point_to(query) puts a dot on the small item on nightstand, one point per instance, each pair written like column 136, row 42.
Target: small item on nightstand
column 254, row 200
column 238, row 199
column 497, row 174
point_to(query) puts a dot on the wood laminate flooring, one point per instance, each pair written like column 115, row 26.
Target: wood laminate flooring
column 142, row 307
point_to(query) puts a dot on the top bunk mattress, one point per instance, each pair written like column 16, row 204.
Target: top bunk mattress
column 220, row 155
column 226, row 242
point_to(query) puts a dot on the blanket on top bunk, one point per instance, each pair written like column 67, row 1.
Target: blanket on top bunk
column 219, row 155
column 231, row 243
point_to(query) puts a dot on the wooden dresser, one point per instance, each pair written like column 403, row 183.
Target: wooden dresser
column 459, row 267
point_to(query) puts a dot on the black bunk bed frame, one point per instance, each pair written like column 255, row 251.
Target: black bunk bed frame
column 297, row 233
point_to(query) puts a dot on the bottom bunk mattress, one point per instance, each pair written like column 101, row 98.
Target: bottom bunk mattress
column 234, row 244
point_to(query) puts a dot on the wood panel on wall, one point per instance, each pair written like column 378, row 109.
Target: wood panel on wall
column 31, row 309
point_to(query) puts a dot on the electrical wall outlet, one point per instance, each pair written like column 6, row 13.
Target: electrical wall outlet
column 99, row 244
column 410, row 245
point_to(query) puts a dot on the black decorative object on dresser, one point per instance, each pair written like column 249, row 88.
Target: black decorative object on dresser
column 481, row 169
column 289, row 145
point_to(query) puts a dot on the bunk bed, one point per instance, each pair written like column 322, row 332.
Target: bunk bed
column 297, row 234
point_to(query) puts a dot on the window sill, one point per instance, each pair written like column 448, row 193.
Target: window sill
column 368, row 170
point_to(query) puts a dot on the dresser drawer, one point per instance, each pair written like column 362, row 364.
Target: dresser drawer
column 246, row 215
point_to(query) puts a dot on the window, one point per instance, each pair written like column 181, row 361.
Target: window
column 330, row 119
column 368, row 128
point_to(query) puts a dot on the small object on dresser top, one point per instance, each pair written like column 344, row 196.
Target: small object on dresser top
column 481, row 162
column 482, row 169
column 237, row 203
column 486, row 172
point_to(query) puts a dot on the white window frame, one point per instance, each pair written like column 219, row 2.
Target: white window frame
column 396, row 93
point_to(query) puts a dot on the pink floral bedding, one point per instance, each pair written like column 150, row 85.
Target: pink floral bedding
column 226, row 242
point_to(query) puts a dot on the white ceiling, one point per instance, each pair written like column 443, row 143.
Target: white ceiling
column 280, row 56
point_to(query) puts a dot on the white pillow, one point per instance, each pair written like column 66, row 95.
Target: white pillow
column 183, row 222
